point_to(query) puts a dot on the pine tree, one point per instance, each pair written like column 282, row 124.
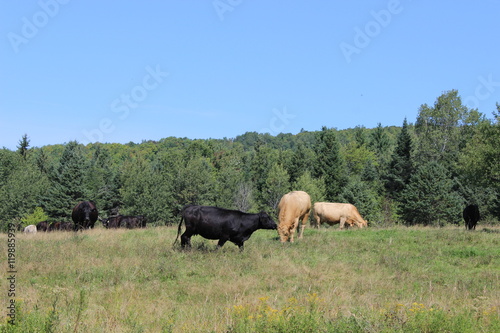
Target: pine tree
column 24, row 143
column 67, row 182
column 299, row 162
column 329, row 164
column 379, row 141
column 401, row 165
column 102, row 181
column 430, row 198
column 363, row 196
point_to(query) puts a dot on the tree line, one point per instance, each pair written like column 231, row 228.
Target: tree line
column 422, row 173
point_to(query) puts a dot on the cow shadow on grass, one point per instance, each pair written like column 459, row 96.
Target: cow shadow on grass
column 202, row 247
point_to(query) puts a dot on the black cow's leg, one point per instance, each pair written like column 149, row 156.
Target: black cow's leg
column 186, row 239
column 221, row 242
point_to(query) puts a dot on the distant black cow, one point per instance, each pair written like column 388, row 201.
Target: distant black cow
column 222, row 224
column 131, row 222
column 125, row 221
column 66, row 226
column 471, row 216
column 42, row 226
column 112, row 222
column 60, row 226
column 54, row 226
column 84, row 215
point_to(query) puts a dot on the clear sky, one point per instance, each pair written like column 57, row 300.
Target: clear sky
column 121, row 71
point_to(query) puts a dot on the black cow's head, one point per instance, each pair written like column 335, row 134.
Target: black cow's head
column 266, row 222
column 88, row 212
column 84, row 215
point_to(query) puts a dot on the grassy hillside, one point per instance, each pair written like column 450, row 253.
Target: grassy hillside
column 374, row 280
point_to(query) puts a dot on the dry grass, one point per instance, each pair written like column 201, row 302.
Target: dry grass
column 135, row 281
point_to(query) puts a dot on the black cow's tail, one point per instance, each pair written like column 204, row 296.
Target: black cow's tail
column 178, row 230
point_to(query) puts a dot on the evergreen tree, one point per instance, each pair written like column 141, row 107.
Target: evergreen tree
column 41, row 161
column 102, row 181
column 301, row 161
column 197, row 182
column 24, row 143
column 361, row 195
column 8, row 162
column 430, row 197
column 401, row 164
column 23, row 188
column 329, row 164
column 67, row 182
column 360, row 136
column 380, row 143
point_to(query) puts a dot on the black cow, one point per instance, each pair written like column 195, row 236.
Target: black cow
column 42, row 226
column 125, row 221
column 62, row 226
column 471, row 216
column 66, row 226
column 222, row 224
column 112, row 222
column 54, row 226
column 84, row 215
column 131, row 222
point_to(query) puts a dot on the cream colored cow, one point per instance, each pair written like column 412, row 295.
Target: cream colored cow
column 332, row 213
column 293, row 207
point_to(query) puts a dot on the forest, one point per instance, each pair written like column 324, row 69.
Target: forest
column 420, row 173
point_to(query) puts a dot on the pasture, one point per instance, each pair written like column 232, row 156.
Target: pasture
column 371, row 280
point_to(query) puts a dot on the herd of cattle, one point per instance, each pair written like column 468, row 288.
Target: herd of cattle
column 235, row 226
column 84, row 216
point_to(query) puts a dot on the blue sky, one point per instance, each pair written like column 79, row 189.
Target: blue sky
column 145, row 70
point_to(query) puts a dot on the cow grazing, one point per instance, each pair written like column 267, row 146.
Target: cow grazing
column 54, row 226
column 293, row 207
column 31, row 229
column 84, row 215
column 332, row 213
column 132, row 222
column 124, row 221
column 222, row 224
column 60, row 226
column 471, row 216
column 112, row 222
column 42, row 226
column 66, row 226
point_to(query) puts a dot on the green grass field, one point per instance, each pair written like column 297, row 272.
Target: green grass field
column 371, row 280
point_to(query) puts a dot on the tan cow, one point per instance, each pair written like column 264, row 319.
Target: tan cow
column 332, row 213
column 293, row 207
